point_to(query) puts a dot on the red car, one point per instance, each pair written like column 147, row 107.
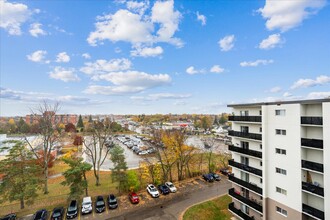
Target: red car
column 133, row 197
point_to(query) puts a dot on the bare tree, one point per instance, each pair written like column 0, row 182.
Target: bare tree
column 49, row 134
column 97, row 146
column 209, row 145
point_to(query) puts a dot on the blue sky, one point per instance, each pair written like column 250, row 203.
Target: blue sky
column 133, row 57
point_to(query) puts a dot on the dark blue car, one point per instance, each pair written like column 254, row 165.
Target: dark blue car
column 163, row 189
column 208, row 177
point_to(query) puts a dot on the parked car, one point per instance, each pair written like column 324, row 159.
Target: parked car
column 11, row 216
column 99, row 204
column 57, row 213
column 86, row 206
column 133, row 197
column 41, row 215
column 208, row 177
column 152, row 191
column 163, row 189
column 142, row 152
column 225, row 172
column 171, row 187
column 216, row 176
column 112, row 201
column 72, row 211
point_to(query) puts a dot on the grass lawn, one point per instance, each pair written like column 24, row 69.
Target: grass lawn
column 58, row 195
column 216, row 209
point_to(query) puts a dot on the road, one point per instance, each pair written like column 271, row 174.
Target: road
column 171, row 210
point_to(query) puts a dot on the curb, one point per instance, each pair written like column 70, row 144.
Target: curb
column 184, row 211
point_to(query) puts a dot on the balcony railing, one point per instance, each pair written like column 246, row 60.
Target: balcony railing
column 313, row 188
column 238, row 212
column 245, row 167
column 315, row 143
column 247, row 201
column 245, row 118
column 245, row 135
column 311, row 120
column 312, row 166
column 313, row 211
column 245, row 151
column 245, row 184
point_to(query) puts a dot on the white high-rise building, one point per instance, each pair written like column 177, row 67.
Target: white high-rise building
column 280, row 160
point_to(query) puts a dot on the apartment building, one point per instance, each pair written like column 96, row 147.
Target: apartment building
column 280, row 160
column 55, row 118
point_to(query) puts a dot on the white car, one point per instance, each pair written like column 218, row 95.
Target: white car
column 152, row 190
column 171, row 187
column 86, row 206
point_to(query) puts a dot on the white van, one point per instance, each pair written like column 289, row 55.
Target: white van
column 86, row 206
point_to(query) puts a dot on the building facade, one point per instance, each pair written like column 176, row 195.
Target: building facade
column 280, row 160
column 55, row 118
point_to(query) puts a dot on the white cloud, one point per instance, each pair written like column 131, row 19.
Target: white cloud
column 128, row 82
column 36, row 30
column 86, row 56
column 13, row 15
column 318, row 95
column 146, row 51
column 287, row 94
column 139, row 7
column 191, row 70
column 285, row 15
column 201, row 18
column 62, row 57
column 305, row 83
column 158, row 96
column 227, row 43
column 38, row 56
column 217, row 69
column 137, row 28
column 275, row 89
column 271, row 42
column 64, row 74
column 104, row 66
column 255, row 63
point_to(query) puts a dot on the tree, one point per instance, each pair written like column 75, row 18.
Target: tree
column 12, row 126
column 206, row 122
column 75, row 177
column 209, row 145
column 118, row 173
column 22, row 126
column 40, row 160
column 90, row 120
column 70, row 128
column 21, row 175
column 97, row 146
column 80, row 123
column 133, row 181
column 48, row 134
column 223, row 119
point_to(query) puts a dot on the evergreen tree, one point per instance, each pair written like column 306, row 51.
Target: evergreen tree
column 90, row 120
column 22, row 175
column 118, row 173
column 80, row 123
column 22, row 126
column 75, row 177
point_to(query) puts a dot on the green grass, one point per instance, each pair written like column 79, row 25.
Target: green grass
column 216, row 209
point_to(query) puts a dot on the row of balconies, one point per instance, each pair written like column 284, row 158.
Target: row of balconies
column 250, row 186
column 309, row 210
column 245, row 135
column 249, row 152
column 238, row 212
column 248, row 201
column 303, row 120
column 245, row 167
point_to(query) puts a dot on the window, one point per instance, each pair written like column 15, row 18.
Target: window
column 245, row 145
column 260, row 180
column 280, row 132
column 244, row 113
column 281, row 211
column 261, row 163
column 280, row 151
column 280, row 190
column 260, row 146
column 280, row 112
column 281, row 171
column 245, row 129
column 260, row 112
column 260, row 129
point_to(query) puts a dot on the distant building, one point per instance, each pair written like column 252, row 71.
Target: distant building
column 56, row 118
column 280, row 162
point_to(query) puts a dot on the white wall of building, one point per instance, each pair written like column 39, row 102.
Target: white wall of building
column 326, row 154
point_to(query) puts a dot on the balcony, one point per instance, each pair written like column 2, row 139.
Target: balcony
column 312, row 166
column 313, row 188
column 238, row 212
column 245, row 118
column 311, row 120
column 253, row 204
column 313, row 143
column 245, row 184
column 245, row 135
column 312, row 211
column 245, row 151
column 245, row 167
